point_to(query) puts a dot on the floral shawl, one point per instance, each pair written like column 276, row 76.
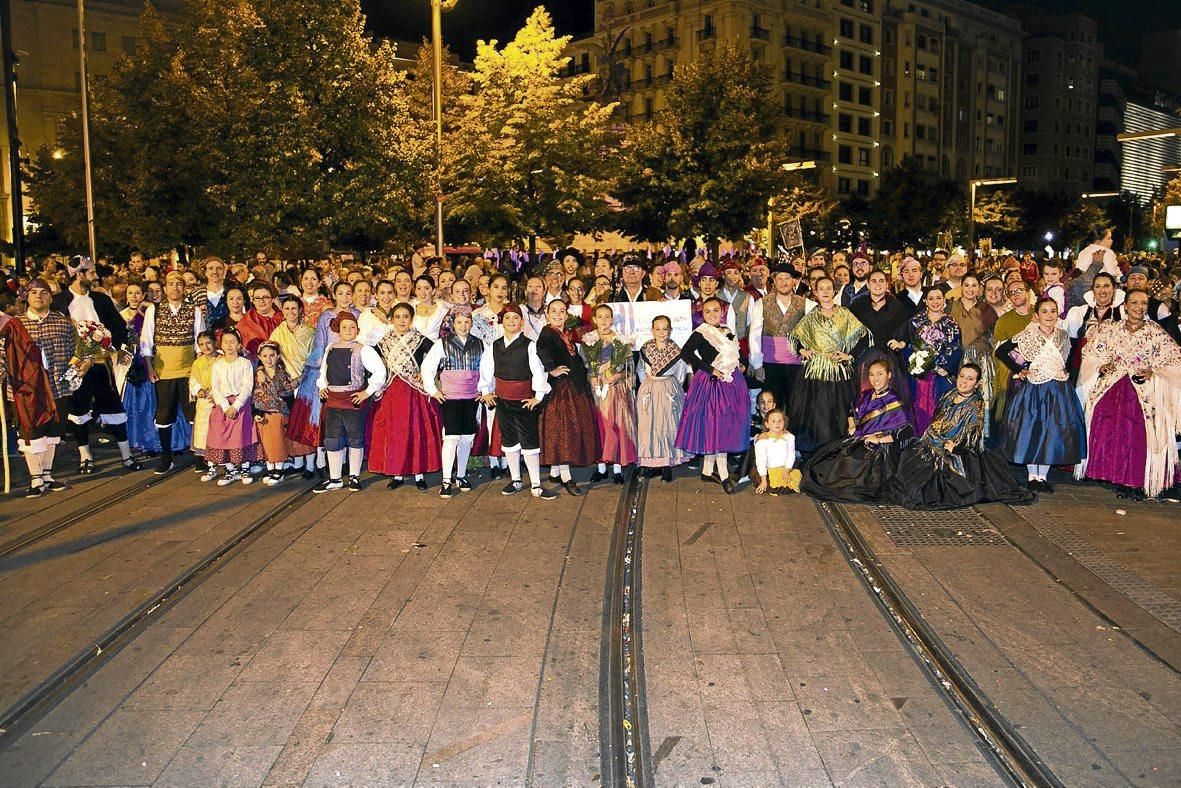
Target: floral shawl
column 1046, row 355
column 962, row 422
column 823, row 335
column 397, row 351
column 660, row 362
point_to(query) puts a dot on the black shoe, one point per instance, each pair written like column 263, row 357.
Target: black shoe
column 495, row 473
column 572, row 488
column 52, row 485
column 597, row 476
column 446, row 491
column 543, row 494
column 512, row 488
column 308, row 474
column 328, row 485
column 666, row 474
column 729, row 487
column 420, row 484
column 133, row 464
column 617, row 478
column 200, row 466
column 464, row 485
column 354, row 483
column 166, row 466
column 37, row 492
column 394, row 484
column 712, row 478
column 86, row 467
column 1046, row 486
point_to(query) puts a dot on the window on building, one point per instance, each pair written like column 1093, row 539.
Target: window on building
column 920, row 131
column 934, row 45
column 846, row 26
column 863, row 157
column 887, row 131
column 131, row 43
column 846, row 59
column 863, row 127
column 1033, row 56
column 866, row 34
column 865, row 97
column 843, row 186
column 862, row 187
column 844, row 154
column 920, row 101
column 920, row 41
column 887, row 98
column 906, row 68
column 845, row 123
column 888, row 68
column 845, row 91
column 1031, row 102
column 887, row 158
column 889, row 35
column 1029, row 172
column 865, row 65
column 98, row 41
column 1029, row 149
column 1033, row 80
column 905, row 130
column 1029, row 126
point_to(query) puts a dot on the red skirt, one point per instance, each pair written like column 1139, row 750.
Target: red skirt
column 406, row 433
column 487, row 443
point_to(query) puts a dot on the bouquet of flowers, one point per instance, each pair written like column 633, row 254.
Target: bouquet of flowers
column 922, row 358
column 93, row 344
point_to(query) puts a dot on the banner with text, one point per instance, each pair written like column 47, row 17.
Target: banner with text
column 635, row 319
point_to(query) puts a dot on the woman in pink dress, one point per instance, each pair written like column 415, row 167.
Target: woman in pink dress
column 612, row 376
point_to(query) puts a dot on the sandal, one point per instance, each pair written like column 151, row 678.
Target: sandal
column 86, row 467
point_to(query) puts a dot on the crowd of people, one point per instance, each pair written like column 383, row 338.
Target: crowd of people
column 849, row 376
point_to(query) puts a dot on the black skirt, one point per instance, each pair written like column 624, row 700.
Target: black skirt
column 850, row 471
column 919, row 483
column 818, row 412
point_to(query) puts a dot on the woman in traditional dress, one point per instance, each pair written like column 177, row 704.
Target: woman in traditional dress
column 716, row 418
column 403, row 288
column 428, row 311
column 829, row 337
column 612, row 379
column 707, row 287
column 303, row 426
column 232, row 440
column 455, row 361
column 376, row 321
column 570, row 432
column 236, row 307
column 139, row 395
column 948, row 467
column 272, row 388
column 660, row 402
column 975, row 319
column 1130, row 381
column 406, row 436
column 857, row 469
column 294, row 338
column 314, row 301
column 201, row 392
column 1043, row 421
column 486, row 325
column 580, row 313
column 934, row 349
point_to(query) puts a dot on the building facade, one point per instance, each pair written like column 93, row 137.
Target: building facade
column 1130, row 103
column 45, row 38
column 861, row 83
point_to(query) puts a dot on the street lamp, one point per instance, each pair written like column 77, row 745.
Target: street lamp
column 972, row 185
column 438, row 7
column 1151, row 134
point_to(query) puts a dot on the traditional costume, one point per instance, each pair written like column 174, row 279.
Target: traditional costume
column 569, row 420
column 772, row 349
column 294, row 348
column 232, row 440
column 348, row 368
column 454, row 362
column 303, row 425
column 169, row 342
column 406, row 436
column 818, row 411
column 886, row 321
column 853, row 471
column 775, row 459
column 975, row 324
column 33, row 387
column 931, row 345
column 139, row 396
column 615, row 398
column 660, row 402
column 1132, row 421
column 717, row 409
column 271, row 393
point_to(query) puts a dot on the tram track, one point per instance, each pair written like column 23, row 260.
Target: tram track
column 74, row 672
column 1012, row 755
column 85, row 512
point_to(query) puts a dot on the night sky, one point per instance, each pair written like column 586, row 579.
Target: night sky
column 1120, row 23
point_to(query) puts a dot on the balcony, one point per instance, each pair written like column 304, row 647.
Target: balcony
column 806, row 114
column 807, row 80
column 706, row 33
column 808, row 46
column 810, row 154
column 760, row 33
column 665, row 43
column 651, row 82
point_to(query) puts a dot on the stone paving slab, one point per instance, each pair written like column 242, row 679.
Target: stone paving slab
column 1078, row 690
column 425, row 641
column 760, row 653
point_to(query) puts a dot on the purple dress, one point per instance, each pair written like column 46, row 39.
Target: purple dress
column 850, row 470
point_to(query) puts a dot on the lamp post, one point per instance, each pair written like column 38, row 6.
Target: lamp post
column 437, row 9
column 14, row 151
column 972, row 185
column 86, row 129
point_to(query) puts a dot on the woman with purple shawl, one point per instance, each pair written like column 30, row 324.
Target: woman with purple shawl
column 856, row 469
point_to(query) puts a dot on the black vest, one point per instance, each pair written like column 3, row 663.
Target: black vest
column 512, row 362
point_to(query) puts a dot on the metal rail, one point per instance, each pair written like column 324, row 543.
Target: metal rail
column 1011, row 753
column 623, row 718
column 38, row 701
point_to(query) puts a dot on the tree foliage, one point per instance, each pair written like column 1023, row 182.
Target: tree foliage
column 714, row 158
column 534, row 157
column 913, row 206
column 245, row 123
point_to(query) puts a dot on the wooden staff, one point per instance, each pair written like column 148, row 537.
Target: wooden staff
column 4, row 434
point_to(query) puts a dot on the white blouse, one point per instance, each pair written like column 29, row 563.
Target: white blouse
column 231, row 379
column 773, row 452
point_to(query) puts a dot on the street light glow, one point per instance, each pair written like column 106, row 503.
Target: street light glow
column 1154, row 134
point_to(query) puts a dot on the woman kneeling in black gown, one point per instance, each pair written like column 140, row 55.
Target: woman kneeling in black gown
column 948, row 467
column 858, row 469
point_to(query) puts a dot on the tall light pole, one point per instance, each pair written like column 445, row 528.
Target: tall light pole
column 972, row 185
column 437, row 9
column 86, row 129
column 14, row 145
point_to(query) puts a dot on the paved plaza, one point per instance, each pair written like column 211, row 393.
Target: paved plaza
column 393, row 638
